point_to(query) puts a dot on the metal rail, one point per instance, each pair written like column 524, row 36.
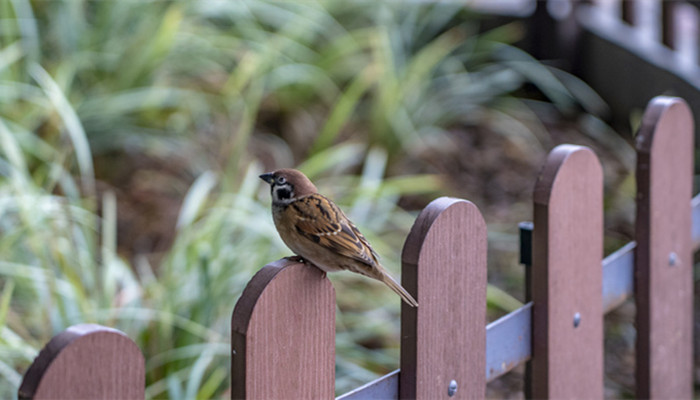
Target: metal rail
column 508, row 339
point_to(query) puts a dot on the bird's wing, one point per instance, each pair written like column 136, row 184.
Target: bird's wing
column 318, row 219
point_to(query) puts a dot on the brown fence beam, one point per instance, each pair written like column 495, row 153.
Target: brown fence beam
column 664, row 255
column 669, row 35
column 567, row 358
column 443, row 341
column 283, row 335
column 86, row 361
column 628, row 12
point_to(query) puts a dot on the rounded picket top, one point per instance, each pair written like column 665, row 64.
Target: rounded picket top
column 566, row 284
column 283, row 334
column 667, row 121
column 569, row 164
column 86, row 361
column 664, row 255
column 444, row 268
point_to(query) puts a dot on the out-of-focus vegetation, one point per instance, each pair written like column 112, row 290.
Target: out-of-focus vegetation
column 113, row 113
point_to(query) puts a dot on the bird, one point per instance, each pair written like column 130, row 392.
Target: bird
column 319, row 233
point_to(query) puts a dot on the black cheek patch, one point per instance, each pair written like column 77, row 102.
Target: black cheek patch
column 283, row 193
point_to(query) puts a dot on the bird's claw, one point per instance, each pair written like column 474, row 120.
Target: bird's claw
column 298, row 259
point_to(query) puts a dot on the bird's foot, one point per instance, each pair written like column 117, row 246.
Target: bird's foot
column 298, row 259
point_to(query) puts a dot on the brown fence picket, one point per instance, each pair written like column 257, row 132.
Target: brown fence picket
column 567, row 359
column 283, row 335
column 664, row 261
column 86, row 361
column 629, row 11
column 443, row 341
column 669, row 25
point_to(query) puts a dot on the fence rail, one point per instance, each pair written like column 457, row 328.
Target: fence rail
column 283, row 326
column 627, row 51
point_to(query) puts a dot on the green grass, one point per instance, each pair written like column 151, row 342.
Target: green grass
column 353, row 93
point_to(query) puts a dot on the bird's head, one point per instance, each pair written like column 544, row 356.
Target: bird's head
column 286, row 185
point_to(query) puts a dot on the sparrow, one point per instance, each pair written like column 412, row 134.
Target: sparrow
column 317, row 230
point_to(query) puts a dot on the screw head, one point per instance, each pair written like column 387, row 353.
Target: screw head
column 672, row 258
column 452, row 388
column 577, row 320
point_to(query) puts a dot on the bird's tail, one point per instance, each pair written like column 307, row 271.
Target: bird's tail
column 396, row 287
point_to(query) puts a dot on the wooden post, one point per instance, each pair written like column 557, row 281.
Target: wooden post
column 567, row 357
column 629, row 8
column 283, row 335
column 86, row 361
column 443, row 341
column 664, row 258
column 669, row 24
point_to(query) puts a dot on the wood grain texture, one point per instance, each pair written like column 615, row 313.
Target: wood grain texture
column 86, row 361
column 283, row 335
column 444, row 268
column 567, row 360
column 664, row 282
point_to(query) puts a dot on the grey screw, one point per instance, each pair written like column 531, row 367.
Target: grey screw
column 452, row 389
column 577, row 320
column 672, row 258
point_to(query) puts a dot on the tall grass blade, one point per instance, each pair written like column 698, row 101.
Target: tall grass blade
column 5, row 299
column 72, row 124
column 10, row 55
column 195, row 199
column 15, row 157
column 28, row 28
column 343, row 110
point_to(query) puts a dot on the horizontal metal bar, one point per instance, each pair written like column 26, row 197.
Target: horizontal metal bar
column 508, row 339
column 618, row 285
column 618, row 276
column 508, row 342
column 386, row 387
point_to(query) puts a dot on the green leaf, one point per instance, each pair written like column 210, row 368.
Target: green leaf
column 195, row 199
column 74, row 128
column 5, row 299
column 343, row 110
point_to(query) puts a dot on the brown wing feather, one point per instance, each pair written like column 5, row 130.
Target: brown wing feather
column 323, row 222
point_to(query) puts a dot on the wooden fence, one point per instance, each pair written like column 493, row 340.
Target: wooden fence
column 283, row 326
column 626, row 50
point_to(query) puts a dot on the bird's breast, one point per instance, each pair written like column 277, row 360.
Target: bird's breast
column 320, row 256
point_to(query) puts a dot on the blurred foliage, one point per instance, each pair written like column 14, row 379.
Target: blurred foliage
column 359, row 95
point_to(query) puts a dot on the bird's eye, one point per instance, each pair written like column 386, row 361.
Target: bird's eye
column 281, row 180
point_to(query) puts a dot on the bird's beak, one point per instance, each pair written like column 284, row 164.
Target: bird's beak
column 267, row 178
